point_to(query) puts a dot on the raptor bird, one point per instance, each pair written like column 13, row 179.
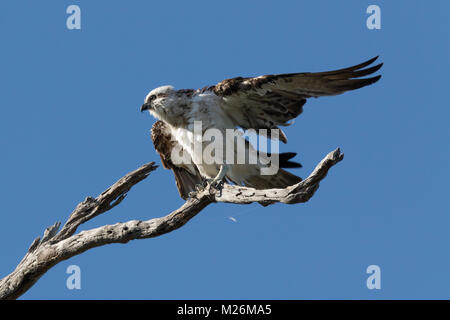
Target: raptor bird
column 264, row 102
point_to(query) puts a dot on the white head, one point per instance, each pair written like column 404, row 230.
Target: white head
column 157, row 101
column 167, row 104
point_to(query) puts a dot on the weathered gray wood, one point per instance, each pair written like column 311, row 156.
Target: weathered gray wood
column 58, row 246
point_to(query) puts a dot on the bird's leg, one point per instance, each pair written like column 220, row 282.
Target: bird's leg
column 213, row 183
column 218, row 180
column 199, row 187
column 222, row 173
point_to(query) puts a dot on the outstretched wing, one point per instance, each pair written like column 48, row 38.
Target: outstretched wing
column 269, row 101
column 186, row 175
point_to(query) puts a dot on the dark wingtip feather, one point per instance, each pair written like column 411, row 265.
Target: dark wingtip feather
column 371, row 80
column 291, row 165
column 353, row 84
column 364, row 64
column 366, row 72
column 376, row 78
column 353, row 68
column 287, row 155
column 284, row 160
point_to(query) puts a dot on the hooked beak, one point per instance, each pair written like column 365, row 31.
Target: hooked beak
column 146, row 106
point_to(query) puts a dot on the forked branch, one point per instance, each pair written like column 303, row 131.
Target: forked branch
column 58, row 244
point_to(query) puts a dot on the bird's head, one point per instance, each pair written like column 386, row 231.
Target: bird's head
column 159, row 101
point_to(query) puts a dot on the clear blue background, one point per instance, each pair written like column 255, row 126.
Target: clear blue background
column 70, row 126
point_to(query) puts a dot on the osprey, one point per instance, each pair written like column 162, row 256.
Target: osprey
column 264, row 102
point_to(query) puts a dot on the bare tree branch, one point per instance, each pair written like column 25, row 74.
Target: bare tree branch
column 55, row 246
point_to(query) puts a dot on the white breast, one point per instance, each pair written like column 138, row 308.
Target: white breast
column 205, row 114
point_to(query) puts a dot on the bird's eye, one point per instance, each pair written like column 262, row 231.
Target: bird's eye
column 152, row 97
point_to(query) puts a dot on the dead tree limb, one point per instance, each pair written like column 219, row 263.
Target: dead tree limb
column 58, row 244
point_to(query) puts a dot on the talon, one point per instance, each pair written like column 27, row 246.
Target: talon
column 199, row 187
column 192, row 194
column 218, row 180
column 216, row 184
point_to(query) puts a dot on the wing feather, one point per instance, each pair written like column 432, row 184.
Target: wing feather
column 270, row 101
column 186, row 176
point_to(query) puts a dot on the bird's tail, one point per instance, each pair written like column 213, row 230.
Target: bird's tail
column 285, row 160
column 280, row 180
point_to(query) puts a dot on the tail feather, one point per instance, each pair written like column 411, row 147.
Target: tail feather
column 280, row 180
column 284, row 160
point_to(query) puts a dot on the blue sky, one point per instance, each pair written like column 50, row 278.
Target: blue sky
column 71, row 126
